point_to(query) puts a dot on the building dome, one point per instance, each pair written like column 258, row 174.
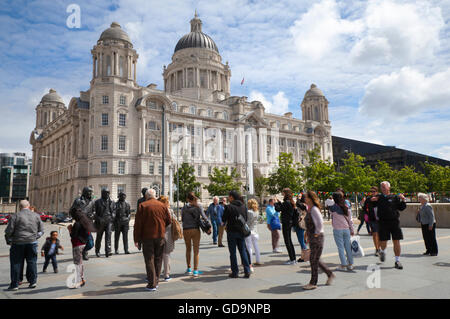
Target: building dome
column 52, row 96
column 314, row 91
column 196, row 38
column 115, row 32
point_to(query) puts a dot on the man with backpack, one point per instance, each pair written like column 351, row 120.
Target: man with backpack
column 235, row 217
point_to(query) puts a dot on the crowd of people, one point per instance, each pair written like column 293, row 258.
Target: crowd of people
column 157, row 228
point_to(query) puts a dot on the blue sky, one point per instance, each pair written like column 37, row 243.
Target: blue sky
column 384, row 65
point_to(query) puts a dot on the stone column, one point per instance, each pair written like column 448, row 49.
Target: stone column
column 134, row 75
column 249, row 154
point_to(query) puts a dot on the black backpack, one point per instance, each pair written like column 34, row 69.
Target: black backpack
column 241, row 224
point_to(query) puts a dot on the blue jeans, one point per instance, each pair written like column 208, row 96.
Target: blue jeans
column 53, row 259
column 342, row 239
column 19, row 252
column 237, row 240
column 215, row 230
column 300, row 236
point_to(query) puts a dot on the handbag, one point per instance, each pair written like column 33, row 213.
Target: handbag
column 90, row 242
column 242, row 225
column 357, row 250
column 275, row 223
column 205, row 225
column 306, row 253
column 301, row 221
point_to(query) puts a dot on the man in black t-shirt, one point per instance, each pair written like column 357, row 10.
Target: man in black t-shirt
column 388, row 206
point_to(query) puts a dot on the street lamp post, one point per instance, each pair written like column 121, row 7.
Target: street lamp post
column 163, row 133
column 178, row 175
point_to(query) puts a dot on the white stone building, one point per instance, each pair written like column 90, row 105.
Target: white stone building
column 111, row 135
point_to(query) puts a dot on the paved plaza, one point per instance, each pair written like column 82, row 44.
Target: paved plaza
column 123, row 276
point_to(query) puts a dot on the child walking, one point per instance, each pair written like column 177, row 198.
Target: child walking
column 50, row 249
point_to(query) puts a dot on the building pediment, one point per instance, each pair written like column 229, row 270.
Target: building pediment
column 252, row 119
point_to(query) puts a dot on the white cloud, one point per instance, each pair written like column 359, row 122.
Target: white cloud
column 443, row 152
column 318, row 31
column 407, row 92
column 403, row 32
column 278, row 105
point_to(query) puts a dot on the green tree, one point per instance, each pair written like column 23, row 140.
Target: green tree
column 384, row 172
column 221, row 183
column 188, row 182
column 287, row 175
column 438, row 177
column 260, row 185
column 356, row 177
column 320, row 175
column 410, row 181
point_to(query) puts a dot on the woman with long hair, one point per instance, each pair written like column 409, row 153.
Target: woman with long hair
column 315, row 238
column 190, row 217
column 342, row 223
column 287, row 213
column 252, row 240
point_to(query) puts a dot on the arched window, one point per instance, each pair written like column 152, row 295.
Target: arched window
column 316, row 113
column 151, row 104
column 108, row 65
column 121, row 66
column 193, row 109
column 225, row 115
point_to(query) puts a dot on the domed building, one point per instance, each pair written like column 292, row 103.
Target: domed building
column 124, row 136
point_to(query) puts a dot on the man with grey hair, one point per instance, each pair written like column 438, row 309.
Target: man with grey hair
column 23, row 230
column 214, row 213
column 388, row 207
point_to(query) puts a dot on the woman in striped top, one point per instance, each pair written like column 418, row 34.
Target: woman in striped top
column 315, row 238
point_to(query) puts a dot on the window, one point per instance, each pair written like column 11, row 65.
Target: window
column 152, row 125
column 105, row 99
column 193, row 109
column 289, row 126
column 151, row 104
column 92, row 121
column 151, row 169
column 122, row 99
column 122, row 142
column 278, row 124
column 175, row 106
column 91, row 169
column 153, row 146
column 104, row 144
column 160, row 169
column 122, row 119
column 209, row 170
column 210, row 113
column 103, row 168
column 105, row 119
column 191, row 130
column 108, row 65
column 121, row 66
column 121, row 189
column 91, row 145
column 225, row 115
column 121, row 167
column 199, row 170
column 192, row 150
column 102, row 187
column 172, row 127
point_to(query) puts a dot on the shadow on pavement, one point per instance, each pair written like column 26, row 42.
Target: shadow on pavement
column 43, row 290
column 285, row 289
column 442, row 264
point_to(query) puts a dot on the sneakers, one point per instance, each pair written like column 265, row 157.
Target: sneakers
column 377, row 253
column 55, row 270
column 195, row 273
column 10, row 288
column 398, row 265
column 167, row 279
column 251, row 269
column 277, row 250
column 290, row 262
column 247, row 275
column 221, row 245
column 44, row 270
column 342, row 268
column 32, row 286
column 426, row 253
column 309, row 287
column 150, row 288
column 330, row 279
column 350, row 267
column 300, row 260
column 233, row 275
column 382, row 256
column 189, row 271
column 257, row 264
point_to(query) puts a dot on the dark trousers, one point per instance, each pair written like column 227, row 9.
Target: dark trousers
column 429, row 237
column 215, row 230
column 153, row 250
column 107, row 229
column 121, row 229
column 287, row 229
column 17, row 254
column 367, row 226
column 316, row 246
column 47, row 261
column 237, row 240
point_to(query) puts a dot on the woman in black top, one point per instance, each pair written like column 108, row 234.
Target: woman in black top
column 287, row 209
